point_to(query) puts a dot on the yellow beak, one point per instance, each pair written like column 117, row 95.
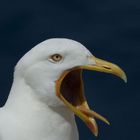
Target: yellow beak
column 100, row 65
column 80, row 106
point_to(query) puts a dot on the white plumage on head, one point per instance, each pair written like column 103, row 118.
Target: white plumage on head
column 33, row 112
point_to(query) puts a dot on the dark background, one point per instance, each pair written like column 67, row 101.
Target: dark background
column 109, row 29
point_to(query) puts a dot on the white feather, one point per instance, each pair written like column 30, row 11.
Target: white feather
column 33, row 111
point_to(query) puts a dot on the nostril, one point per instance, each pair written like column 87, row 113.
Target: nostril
column 106, row 67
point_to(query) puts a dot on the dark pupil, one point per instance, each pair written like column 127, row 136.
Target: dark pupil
column 57, row 56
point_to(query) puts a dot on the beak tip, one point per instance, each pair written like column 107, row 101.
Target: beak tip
column 96, row 134
column 109, row 123
column 124, row 77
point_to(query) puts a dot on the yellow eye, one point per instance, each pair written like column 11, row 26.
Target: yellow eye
column 56, row 57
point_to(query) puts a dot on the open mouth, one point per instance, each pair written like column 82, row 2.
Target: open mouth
column 70, row 90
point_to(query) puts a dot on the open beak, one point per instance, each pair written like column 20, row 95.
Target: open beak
column 70, row 89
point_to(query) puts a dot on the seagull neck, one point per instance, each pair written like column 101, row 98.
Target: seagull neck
column 25, row 105
column 22, row 97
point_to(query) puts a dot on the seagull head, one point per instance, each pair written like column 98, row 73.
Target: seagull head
column 53, row 70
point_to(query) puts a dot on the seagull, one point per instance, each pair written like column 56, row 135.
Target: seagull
column 48, row 91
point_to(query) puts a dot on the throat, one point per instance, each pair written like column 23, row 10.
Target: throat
column 23, row 98
column 25, row 104
column 38, row 118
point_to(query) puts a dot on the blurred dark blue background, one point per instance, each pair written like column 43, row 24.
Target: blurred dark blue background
column 109, row 29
